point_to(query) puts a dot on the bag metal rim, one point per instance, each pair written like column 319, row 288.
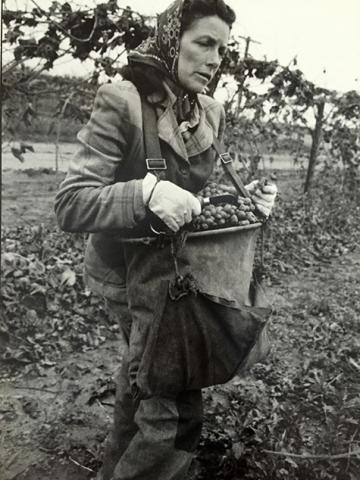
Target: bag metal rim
column 204, row 233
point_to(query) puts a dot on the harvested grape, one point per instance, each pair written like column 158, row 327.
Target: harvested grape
column 224, row 215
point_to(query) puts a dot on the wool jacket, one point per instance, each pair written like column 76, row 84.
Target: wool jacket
column 102, row 192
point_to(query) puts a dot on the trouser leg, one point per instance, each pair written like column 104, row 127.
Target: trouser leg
column 167, row 436
column 124, row 426
column 151, row 439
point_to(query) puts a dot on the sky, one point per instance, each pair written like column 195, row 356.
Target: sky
column 324, row 35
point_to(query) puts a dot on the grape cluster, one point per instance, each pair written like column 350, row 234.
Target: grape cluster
column 224, row 215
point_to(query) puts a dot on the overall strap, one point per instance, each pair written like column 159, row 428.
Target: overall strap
column 155, row 163
column 226, row 162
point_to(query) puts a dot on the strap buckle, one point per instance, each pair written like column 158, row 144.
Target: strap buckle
column 226, row 158
column 156, row 163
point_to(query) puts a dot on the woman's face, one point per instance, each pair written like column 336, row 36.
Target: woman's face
column 202, row 48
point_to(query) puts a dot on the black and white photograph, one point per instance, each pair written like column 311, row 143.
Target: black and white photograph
column 180, row 240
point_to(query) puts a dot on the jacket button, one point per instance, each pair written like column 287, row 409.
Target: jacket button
column 184, row 170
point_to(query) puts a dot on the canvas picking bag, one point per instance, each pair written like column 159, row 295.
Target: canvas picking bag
column 192, row 322
column 195, row 334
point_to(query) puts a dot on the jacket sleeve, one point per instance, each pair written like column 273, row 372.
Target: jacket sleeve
column 88, row 199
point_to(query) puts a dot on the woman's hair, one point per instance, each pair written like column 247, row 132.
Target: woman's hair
column 196, row 9
column 148, row 79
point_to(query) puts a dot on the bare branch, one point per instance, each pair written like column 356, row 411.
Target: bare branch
column 308, row 456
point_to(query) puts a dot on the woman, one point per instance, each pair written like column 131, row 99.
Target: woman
column 108, row 191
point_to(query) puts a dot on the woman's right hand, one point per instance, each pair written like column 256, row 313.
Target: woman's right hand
column 172, row 204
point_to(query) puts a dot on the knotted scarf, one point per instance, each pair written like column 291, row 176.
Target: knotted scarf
column 161, row 51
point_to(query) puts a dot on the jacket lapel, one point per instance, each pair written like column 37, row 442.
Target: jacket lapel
column 202, row 138
column 169, row 132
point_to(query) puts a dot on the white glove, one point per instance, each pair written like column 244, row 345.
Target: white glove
column 263, row 195
column 172, row 204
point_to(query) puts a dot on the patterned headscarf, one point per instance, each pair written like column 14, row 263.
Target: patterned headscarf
column 161, row 50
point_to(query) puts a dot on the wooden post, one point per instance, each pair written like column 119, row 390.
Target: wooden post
column 213, row 84
column 58, row 130
column 316, row 138
column 241, row 85
column 248, row 40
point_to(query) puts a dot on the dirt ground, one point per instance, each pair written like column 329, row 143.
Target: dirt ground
column 28, row 196
column 43, row 156
column 53, row 423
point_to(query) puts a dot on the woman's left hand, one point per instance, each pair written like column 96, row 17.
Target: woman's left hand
column 263, row 195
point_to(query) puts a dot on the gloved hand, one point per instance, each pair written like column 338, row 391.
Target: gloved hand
column 263, row 195
column 172, row 204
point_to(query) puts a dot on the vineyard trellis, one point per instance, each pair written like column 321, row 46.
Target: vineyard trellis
column 291, row 106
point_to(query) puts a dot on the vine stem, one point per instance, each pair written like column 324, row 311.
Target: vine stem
column 60, row 27
column 80, row 465
column 68, row 34
column 309, row 456
column 38, row 389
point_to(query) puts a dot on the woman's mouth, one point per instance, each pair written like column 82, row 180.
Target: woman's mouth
column 204, row 76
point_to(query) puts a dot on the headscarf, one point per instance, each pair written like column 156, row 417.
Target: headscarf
column 161, row 51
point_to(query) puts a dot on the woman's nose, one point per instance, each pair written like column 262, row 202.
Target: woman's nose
column 214, row 59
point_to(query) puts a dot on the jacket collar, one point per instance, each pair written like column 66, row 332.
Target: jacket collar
column 170, row 132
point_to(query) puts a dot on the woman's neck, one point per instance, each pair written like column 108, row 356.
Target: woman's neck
column 177, row 89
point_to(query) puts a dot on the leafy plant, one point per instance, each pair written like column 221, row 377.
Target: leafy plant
column 46, row 309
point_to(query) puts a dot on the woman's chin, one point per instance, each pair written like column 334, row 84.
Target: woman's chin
column 196, row 87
